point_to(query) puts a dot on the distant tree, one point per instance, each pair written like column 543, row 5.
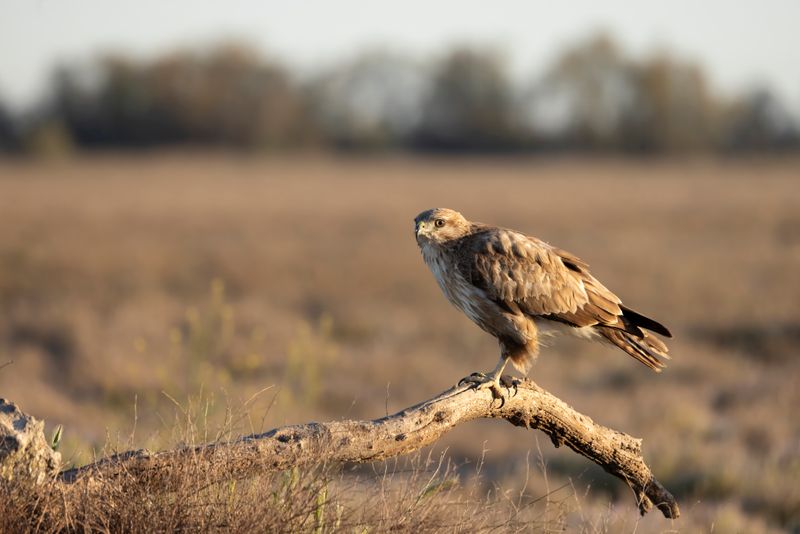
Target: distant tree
column 231, row 96
column 9, row 139
column 672, row 109
column 122, row 112
column 594, row 97
column 372, row 101
column 228, row 96
column 106, row 103
column 760, row 121
column 582, row 99
column 469, row 106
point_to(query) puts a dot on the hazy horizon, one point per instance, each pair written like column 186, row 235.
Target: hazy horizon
column 749, row 45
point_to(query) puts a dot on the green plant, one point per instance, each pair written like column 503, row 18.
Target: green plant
column 309, row 356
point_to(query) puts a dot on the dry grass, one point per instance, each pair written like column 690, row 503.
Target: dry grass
column 421, row 493
column 126, row 282
column 312, row 501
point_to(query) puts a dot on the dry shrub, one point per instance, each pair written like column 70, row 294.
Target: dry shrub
column 414, row 495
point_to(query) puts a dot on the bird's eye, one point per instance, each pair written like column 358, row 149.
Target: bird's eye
column 439, row 223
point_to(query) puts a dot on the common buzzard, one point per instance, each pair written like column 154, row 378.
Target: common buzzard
column 517, row 287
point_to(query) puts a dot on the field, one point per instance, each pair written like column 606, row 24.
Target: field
column 137, row 291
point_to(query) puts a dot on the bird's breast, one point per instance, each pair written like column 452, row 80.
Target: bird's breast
column 461, row 293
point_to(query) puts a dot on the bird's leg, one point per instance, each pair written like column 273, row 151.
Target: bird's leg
column 489, row 380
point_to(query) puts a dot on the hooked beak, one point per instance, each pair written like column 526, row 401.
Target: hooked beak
column 419, row 228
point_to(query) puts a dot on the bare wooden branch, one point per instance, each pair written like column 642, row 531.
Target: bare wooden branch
column 24, row 451
column 526, row 404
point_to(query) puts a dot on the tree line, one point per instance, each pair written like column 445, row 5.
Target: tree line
column 592, row 97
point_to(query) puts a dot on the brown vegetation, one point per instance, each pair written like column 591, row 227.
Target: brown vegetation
column 128, row 282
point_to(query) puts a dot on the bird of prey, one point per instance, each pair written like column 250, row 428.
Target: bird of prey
column 518, row 288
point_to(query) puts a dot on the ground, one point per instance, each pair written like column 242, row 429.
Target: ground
column 134, row 288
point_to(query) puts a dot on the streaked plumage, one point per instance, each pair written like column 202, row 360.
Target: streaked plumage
column 517, row 287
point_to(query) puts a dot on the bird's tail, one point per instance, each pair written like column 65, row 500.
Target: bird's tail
column 648, row 349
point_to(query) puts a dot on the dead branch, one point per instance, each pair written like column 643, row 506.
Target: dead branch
column 526, row 405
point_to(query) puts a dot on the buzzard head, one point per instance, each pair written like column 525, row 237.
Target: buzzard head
column 437, row 226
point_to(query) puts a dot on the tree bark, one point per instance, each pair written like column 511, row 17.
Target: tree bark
column 525, row 404
column 24, row 451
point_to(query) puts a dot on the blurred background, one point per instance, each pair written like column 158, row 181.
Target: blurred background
column 209, row 207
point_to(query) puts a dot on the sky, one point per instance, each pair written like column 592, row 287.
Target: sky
column 741, row 44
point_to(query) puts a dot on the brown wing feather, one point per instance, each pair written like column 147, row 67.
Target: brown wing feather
column 541, row 280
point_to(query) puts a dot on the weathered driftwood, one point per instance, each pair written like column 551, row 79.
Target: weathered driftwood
column 526, row 404
column 24, row 451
